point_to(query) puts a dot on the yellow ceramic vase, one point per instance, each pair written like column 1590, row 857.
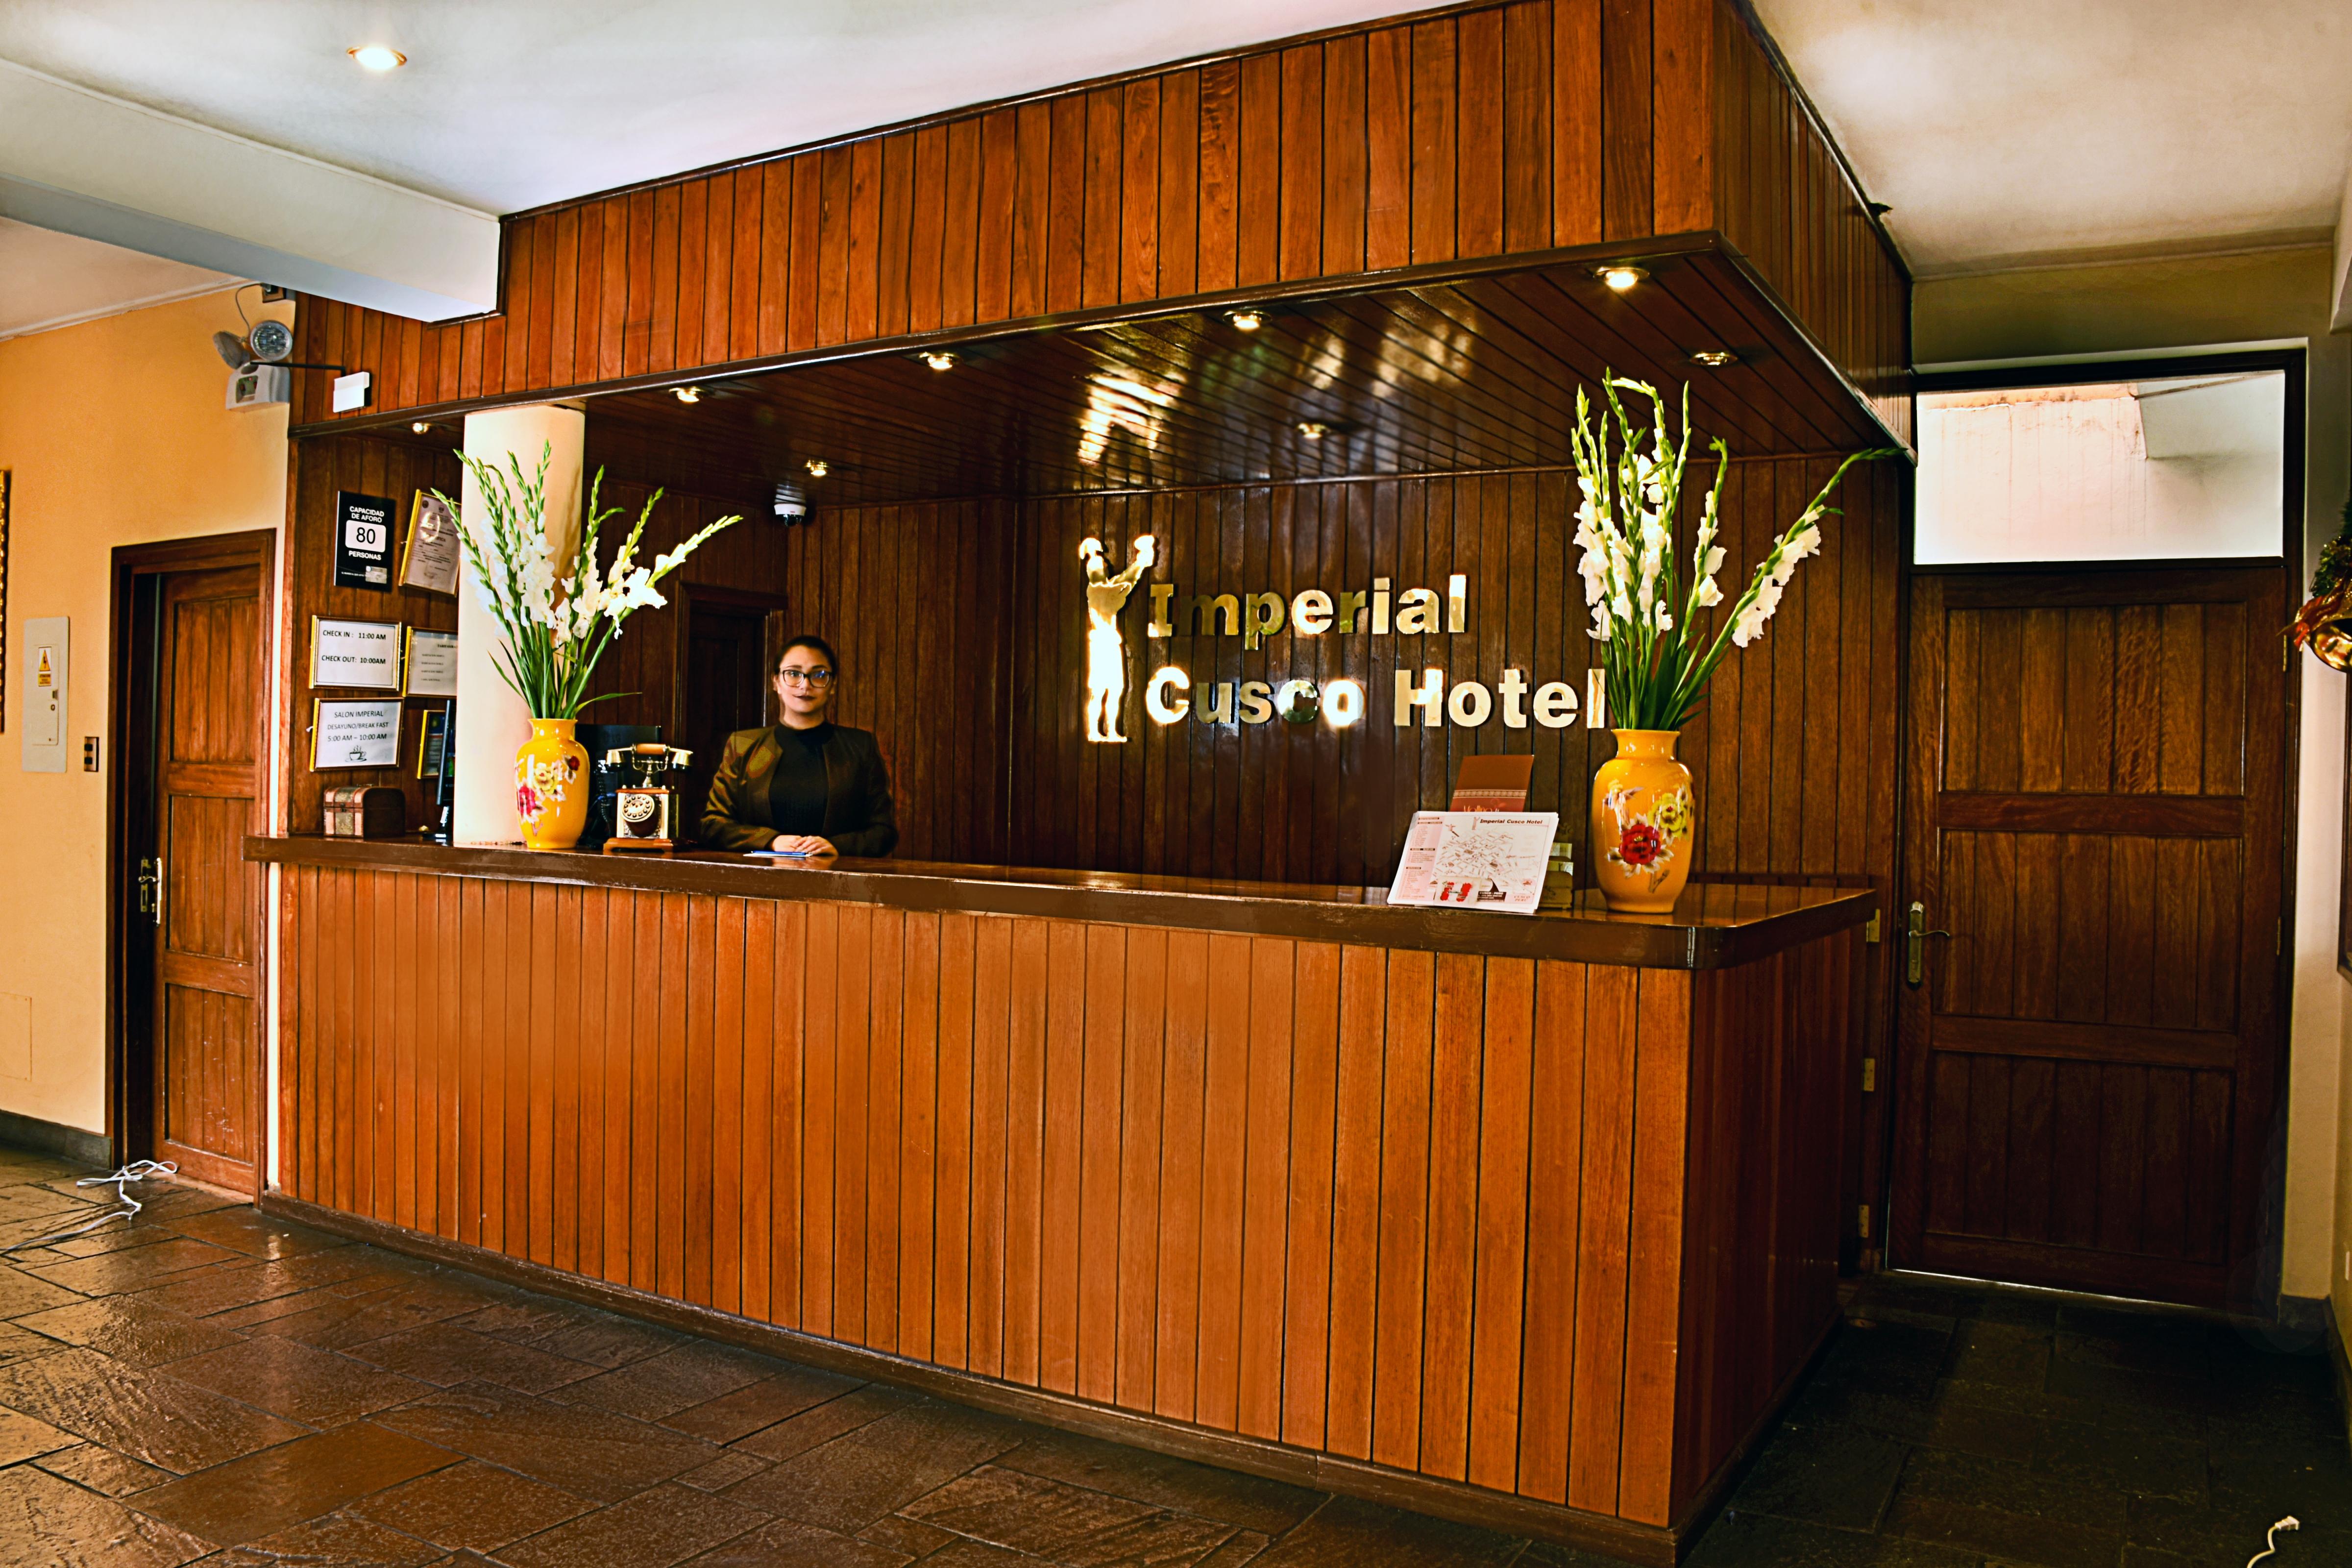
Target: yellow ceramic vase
column 1643, row 823
column 551, row 785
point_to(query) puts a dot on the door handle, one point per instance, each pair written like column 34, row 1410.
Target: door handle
column 151, row 888
column 1914, row 942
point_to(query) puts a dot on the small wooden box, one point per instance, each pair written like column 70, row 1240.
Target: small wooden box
column 366, row 811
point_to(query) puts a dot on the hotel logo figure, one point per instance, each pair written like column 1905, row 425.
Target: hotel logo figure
column 1105, row 654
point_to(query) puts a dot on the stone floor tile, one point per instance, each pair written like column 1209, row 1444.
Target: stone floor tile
column 653, row 1528
column 911, row 1536
column 762, row 1405
column 724, row 1471
column 685, row 1375
column 262, row 1493
column 1029, row 1513
column 1836, row 1475
column 21, row 1293
column 2013, row 1486
column 2146, row 1462
column 1347, row 1533
column 2013, row 1537
column 337, row 1541
column 979, row 1554
column 1247, row 1545
column 102, row 1471
column 1247, row 1502
column 202, row 1293
column 472, row 1506
column 46, row 1523
column 590, row 1452
column 1760, row 1540
column 22, row 1437
column 288, row 1378
column 446, row 1355
column 2015, row 1355
column 822, row 1423
column 787, row 1543
column 131, row 1328
column 247, row 1231
column 850, row 1482
column 111, row 1273
column 150, row 1415
column 331, row 1322
column 20, row 1344
column 116, row 1236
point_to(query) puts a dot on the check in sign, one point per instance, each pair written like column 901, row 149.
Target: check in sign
column 364, row 541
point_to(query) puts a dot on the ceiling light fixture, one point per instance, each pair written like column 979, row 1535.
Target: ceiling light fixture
column 1246, row 320
column 687, row 394
column 817, row 468
column 938, row 359
column 1313, row 429
column 377, row 58
column 421, row 427
column 1621, row 276
column 1714, row 359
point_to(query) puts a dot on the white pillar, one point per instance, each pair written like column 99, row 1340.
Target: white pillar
column 491, row 719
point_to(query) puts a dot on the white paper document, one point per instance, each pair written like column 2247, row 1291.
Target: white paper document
column 1475, row 860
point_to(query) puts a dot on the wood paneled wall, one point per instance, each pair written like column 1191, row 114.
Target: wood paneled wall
column 1426, row 1211
column 371, row 466
column 1482, row 132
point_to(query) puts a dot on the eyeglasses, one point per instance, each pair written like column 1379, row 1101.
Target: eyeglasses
column 819, row 677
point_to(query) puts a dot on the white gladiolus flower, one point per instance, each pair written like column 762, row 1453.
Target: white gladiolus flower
column 1713, row 562
column 1709, row 596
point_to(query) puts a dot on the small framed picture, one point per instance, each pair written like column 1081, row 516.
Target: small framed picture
column 431, row 560
column 364, row 654
column 432, row 744
column 354, row 734
column 432, row 663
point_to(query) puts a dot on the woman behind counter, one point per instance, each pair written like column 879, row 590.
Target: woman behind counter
column 806, row 784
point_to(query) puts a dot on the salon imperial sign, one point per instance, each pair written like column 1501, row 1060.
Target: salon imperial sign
column 1170, row 696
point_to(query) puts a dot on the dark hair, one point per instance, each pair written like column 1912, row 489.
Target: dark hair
column 809, row 640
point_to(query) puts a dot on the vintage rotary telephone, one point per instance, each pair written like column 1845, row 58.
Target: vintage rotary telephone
column 644, row 814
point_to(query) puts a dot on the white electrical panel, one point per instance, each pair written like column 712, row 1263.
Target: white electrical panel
column 41, row 676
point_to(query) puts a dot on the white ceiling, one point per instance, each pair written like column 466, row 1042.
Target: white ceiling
column 2008, row 131
column 2000, row 131
column 510, row 105
column 50, row 280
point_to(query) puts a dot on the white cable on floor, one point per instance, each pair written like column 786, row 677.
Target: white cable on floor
column 137, row 1171
column 2270, row 1541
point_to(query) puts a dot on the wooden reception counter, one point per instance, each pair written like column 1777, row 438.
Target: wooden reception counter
column 1532, row 1222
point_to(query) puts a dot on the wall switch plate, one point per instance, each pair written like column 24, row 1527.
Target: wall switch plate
column 89, row 753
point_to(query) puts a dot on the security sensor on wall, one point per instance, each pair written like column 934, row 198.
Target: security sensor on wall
column 792, row 502
column 268, row 342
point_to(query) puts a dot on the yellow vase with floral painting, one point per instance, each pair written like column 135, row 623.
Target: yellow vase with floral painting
column 1643, row 826
column 551, row 785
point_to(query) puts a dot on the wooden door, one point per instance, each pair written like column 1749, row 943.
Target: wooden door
column 208, row 756
column 724, row 660
column 2094, row 811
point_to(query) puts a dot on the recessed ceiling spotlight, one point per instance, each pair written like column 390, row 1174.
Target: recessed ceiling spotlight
column 817, row 468
column 378, row 57
column 421, row 427
column 1313, row 429
column 938, row 359
column 1246, row 320
column 1714, row 359
column 1621, row 276
column 687, row 394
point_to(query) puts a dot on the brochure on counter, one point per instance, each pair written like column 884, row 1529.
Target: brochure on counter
column 1475, row 860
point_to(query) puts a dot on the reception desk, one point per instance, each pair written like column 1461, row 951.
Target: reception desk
column 1526, row 1221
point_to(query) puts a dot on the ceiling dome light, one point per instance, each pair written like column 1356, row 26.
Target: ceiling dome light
column 1313, row 429
column 938, row 359
column 1619, row 277
column 1714, row 359
column 687, row 394
column 378, row 57
column 1246, row 320
column 421, row 427
column 817, row 468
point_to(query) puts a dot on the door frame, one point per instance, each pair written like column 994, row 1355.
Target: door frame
column 256, row 549
column 690, row 595
column 2271, row 1200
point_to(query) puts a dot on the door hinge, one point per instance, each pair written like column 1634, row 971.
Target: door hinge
column 1870, row 1075
column 1862, row 1227
column 1870, row 931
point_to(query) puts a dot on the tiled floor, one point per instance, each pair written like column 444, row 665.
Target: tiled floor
column 208, row 1385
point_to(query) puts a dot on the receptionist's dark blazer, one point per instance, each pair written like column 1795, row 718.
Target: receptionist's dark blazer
column 860, row 818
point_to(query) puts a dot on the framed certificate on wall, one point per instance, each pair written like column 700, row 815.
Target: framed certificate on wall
column 354, row 734
column 355, row 653
column 430, row 561
column 432, row 663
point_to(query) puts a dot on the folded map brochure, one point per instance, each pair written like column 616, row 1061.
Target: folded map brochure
column 1475, row 860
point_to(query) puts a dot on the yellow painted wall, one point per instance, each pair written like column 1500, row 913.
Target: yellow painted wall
column 115, row 435
column 2124, row 307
